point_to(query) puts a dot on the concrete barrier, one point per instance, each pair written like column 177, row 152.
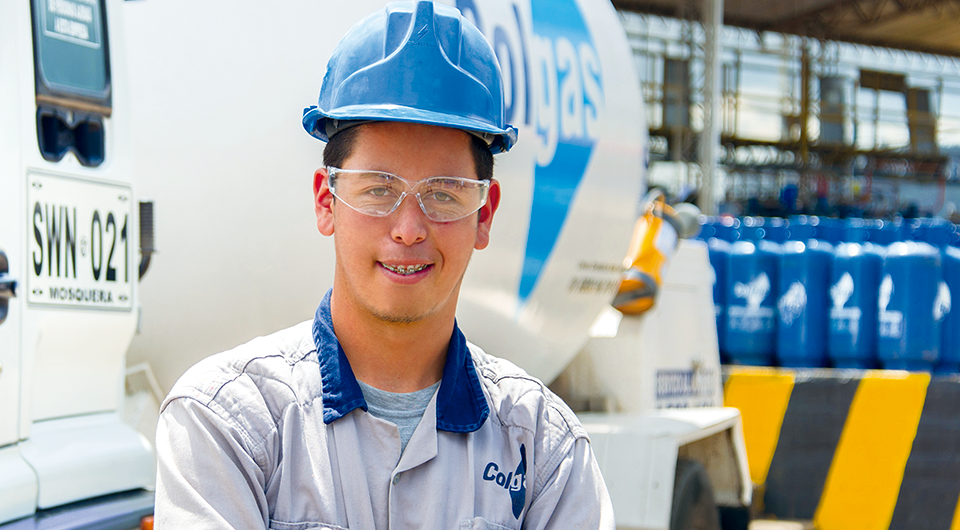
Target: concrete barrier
column 852, row 449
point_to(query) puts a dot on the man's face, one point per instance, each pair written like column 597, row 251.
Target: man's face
column 374, row 252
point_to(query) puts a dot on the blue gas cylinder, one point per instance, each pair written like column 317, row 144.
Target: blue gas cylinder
column 908, row 229
column 854, row 283
column 883, row 232
column 719, row 251
column 909, row 322
column 830, row 230
column 776, row 229
column 752, row 228
column 920, row 230
column 870, row 229
column 948, row 297
column 708, row 228
column 856, row 230
column 727, row 228
column 937, row 232
column 750, row 326
column 801, row 228
column 803, row 276
column 764, row 228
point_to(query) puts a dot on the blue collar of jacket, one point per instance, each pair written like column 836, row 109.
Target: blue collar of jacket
column 461, row 405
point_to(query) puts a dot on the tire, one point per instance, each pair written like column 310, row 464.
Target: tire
column 734, row 517
column 693, row 504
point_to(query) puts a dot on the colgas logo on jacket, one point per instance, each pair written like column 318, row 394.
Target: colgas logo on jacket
column 514, row 482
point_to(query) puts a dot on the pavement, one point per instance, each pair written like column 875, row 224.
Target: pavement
column 769, row 524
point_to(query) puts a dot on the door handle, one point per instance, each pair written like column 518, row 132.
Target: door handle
column 8, row 287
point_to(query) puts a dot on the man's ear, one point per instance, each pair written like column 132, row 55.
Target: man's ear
column 323, row 202
column 486, row 215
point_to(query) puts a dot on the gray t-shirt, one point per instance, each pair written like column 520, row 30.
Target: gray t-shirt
column 402, row 409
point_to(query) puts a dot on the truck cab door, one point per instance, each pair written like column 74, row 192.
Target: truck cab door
column 9, row 343
column 18, row 483
column 12, row 242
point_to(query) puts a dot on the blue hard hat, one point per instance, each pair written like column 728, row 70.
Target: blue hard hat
column 415, row 62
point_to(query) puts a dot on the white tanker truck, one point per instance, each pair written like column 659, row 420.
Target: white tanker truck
column 196, row 106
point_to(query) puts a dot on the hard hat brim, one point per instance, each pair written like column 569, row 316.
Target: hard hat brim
column 317, row 122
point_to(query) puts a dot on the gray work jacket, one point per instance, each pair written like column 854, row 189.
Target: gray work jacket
column 275, row 434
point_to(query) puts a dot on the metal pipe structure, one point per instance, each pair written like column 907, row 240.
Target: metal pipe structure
column 710, row 137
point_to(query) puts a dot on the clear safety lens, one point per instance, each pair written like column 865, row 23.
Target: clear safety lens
column 379, row 193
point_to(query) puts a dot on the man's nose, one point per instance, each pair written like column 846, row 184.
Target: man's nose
column 410, row 223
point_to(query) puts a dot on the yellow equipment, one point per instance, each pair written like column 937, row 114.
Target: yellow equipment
column 653, row 243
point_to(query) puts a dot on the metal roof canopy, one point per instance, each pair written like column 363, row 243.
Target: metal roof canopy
column 926, row 26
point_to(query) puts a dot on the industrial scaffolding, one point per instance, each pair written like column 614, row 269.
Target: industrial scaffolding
column 806, row 125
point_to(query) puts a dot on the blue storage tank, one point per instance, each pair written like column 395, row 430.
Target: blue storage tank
column 948, row 298
column 719, row 251
column 803, row 276
column 854, row 284
column 909, row 330
column 750, row 326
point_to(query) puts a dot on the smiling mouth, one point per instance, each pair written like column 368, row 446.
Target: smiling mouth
column 404, row 270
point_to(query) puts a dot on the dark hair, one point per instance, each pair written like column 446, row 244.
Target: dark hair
column 482, row 158
column 340, row 147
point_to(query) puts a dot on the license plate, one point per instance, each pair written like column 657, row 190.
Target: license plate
column 80, row 235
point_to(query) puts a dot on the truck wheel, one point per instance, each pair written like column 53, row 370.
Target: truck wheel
column 734, row 517
column 693, row 504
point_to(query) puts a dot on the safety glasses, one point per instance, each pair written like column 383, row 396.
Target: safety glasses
column 378, row 193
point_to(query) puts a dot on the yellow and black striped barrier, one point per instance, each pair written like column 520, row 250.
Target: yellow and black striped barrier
column 852, row 449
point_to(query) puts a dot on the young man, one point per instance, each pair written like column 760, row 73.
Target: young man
column 378, row 414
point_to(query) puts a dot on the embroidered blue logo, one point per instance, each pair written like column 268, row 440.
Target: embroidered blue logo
column 514, row 482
